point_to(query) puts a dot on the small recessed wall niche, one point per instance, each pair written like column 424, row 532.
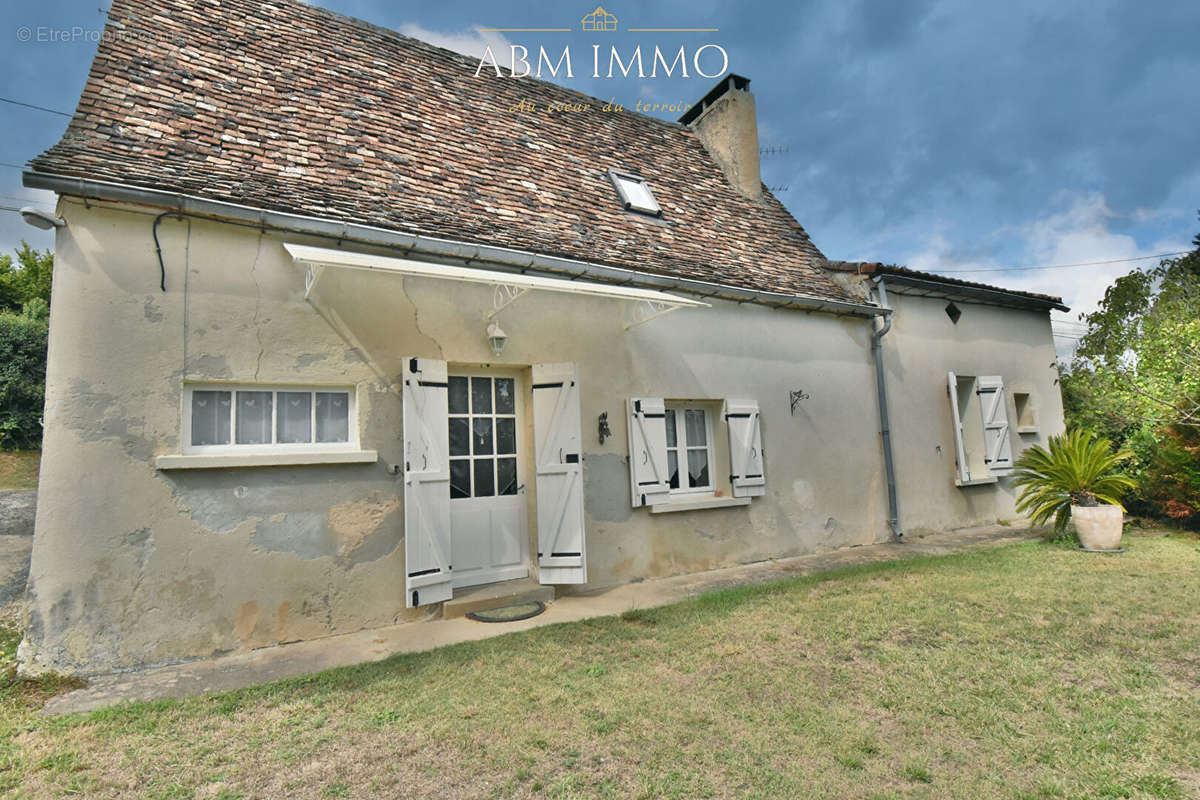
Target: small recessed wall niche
column 1026, row 414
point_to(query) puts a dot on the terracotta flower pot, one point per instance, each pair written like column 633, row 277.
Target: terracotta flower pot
column 1099, row 527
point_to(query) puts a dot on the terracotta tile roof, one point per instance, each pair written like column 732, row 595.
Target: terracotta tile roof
column 289, row 107
column 875, row 268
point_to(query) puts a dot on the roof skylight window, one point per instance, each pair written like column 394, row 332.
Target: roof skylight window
column 635, row 193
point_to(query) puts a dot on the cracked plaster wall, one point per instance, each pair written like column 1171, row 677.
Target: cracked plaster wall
column 133, row 565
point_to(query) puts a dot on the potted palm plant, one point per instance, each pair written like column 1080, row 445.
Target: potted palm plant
column 1075, row 477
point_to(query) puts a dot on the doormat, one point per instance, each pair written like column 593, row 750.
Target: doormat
column 509, row 613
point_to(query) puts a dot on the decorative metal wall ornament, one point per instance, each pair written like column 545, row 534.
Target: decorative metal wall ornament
column 605, row 431
column 798, row 397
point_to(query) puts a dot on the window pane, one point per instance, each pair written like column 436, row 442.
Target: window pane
column 254, row 418
column 506, row 435
column 293, row 419
column 506, row 401
column 210, row 417
column 458, row 395
column 693, row 421
column 460, row 478
column 333, row 417
column 460, row 436
column 671, row 439
column 506, row 475
column 697, row 468
column 481, row 395
column 484, row 484
column 637, row 194
column 673, row 468
column 481, row 438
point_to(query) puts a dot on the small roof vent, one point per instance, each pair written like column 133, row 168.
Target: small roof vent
column 635, row 193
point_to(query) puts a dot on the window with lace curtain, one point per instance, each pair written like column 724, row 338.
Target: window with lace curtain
column 268, row 418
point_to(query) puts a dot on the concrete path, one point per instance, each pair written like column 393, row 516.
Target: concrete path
column 16, row 542
column 285, row 661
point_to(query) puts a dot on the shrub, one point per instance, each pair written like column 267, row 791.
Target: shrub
column 1079, row 468
column 23, row 340
column 1171, row 480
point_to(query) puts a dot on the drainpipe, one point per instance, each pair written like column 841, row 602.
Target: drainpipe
column 885, row 428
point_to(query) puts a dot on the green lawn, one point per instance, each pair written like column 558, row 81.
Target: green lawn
column 19, row 470
column 1027, row 671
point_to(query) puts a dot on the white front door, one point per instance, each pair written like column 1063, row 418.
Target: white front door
column 488, row 519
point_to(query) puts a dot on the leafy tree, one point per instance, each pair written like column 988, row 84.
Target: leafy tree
column 24, row 328
column 1135, row 378
column 22, row 378
column 1172, row 479
column 27, row 279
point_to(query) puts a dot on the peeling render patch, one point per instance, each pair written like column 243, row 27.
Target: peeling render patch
column 150, row 312
column 220, row 500
column 381, row 542
column 308, row 359
column 247, row 620
column 301, row 533
column 143, row 542
column 97, row 417
column 358, row 531
column 353, row 521
column 209, row 366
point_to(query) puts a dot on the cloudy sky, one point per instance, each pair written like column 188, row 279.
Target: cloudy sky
column 960, row 136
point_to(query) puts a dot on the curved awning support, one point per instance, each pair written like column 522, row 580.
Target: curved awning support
column 510, row 286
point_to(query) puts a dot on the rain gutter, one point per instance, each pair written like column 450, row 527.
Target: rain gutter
column 465, row 253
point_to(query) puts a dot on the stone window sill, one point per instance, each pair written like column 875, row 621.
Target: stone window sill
column 699, row 503
column 230, row 460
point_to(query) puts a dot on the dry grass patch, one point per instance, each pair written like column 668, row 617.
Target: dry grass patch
column 995, row 674
column 19, row 470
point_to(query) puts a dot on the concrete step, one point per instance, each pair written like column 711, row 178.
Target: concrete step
column 495, row 595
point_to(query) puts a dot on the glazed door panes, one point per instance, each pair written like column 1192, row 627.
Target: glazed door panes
column 487, row 515
column 483, row 437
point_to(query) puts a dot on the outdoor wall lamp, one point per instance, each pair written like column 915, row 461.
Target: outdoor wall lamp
column 41, row 219
column 496, row 338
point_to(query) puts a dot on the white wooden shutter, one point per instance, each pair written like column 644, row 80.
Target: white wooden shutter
column 994, row 407
column 960, row 450
column 426, row 483
column 650, row 482
column 745, row 448
column 557, row 443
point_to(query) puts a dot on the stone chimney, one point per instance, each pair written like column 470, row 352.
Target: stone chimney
column 726, row 124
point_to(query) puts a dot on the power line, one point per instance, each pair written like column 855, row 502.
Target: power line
column 31, row 105
column 1063, row 266
column 14, row 166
